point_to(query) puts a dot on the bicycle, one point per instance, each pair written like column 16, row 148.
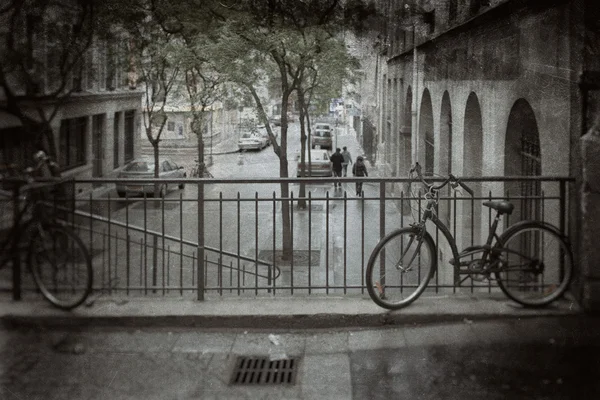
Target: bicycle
column 195, row 171
column 56, row 257
column 531, row 261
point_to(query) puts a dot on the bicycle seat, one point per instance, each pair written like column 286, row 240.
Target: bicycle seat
column 503, row 207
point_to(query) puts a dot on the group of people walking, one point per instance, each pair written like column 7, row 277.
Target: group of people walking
column 339, row 163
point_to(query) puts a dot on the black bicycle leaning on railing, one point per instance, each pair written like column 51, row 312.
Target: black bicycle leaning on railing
column 531, row 261
column 57, row 258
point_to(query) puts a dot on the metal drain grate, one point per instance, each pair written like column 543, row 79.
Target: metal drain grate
column 263, row 371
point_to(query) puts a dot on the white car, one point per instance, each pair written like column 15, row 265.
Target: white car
column 252, row 141
column 143, row 168
column 319, row 165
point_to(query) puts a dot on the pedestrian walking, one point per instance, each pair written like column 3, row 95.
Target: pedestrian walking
column 359, row 169
column 336, row 164
column 347, row 160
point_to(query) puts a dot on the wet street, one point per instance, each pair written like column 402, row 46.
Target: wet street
column 536, row 358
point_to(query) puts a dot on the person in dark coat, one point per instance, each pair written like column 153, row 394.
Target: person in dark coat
column 337, row 159
column 359, row 169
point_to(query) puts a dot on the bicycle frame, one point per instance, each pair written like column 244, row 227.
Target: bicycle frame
column 486, row 249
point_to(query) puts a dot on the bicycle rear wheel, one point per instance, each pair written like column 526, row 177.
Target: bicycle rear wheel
column 400, row 268
column 537, row 266
column 61, row 266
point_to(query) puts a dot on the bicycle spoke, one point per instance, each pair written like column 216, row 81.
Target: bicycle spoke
column 399, row 268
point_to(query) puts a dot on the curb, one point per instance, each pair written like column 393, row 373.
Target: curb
column 268, row 313
column 284, row 322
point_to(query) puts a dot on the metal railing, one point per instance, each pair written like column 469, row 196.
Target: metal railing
column 222, row 237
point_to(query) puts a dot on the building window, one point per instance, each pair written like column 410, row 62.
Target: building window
column 452, row 10
column 171, row 126
column 474, row 6
column 129, row 134
column 72, row 142
column 116, row 136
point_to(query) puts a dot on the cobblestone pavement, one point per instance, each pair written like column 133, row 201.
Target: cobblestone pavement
column 536, row 358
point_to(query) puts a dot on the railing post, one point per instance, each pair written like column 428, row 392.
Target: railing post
column 201, row 265
column 381, row 209
column 16, row 270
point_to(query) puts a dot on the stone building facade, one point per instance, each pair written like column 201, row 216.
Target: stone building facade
column 489, row 89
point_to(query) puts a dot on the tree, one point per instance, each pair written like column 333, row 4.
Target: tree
column 261, row 40
column 329, row 69
column 43, row 48
column 158, row 67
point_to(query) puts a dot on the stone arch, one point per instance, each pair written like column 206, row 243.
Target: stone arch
column 444, row 143
column 426, row 140
column 445, row 137
column 473, row 167
column 522, row 157
column 406, row 131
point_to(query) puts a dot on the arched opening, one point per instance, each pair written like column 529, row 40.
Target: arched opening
column 426, row 140
column 445, row 151
column 406, row 135
column 473, row 167
column 522, row 157
column 405, row 147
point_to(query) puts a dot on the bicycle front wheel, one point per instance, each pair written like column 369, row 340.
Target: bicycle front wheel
column 400, row 268
column 61, row 266
column 537, row 264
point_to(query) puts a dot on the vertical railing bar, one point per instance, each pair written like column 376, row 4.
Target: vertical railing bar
column 274, row 238
column 239, row 226
column 345, row 241
column 91, row 246
column 437, row 248
column 168, row 263
column 142, row 250
column 309, row 242
column 109, row 246
column 256, row 243
column 193, row 267
column 231, row 276
column 205, row 269
column 145, row 245
column 456, row 262
column 489, row 282
column 201, row 284
column 127, row 243
column 104, row 263
column 292, row 242
column 327, row 242
column 181, row 244
column 162, row 202
column 116, row 257
column 562, row 206
column 362, row 238
column 382, row 229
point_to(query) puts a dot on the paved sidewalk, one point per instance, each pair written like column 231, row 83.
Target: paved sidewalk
column 533, row 358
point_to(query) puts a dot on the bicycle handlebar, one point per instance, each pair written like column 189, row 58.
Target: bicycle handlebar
column 454, row 181
column 28, row 180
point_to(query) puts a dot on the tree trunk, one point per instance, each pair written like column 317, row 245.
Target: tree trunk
column 285, row 190
column 302, row 192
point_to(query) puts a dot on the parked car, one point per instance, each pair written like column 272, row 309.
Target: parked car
column 321, row 138
column 262, row 130
column 319, row 165
column 252, row 141
column 275, row 121
column 143, row 168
